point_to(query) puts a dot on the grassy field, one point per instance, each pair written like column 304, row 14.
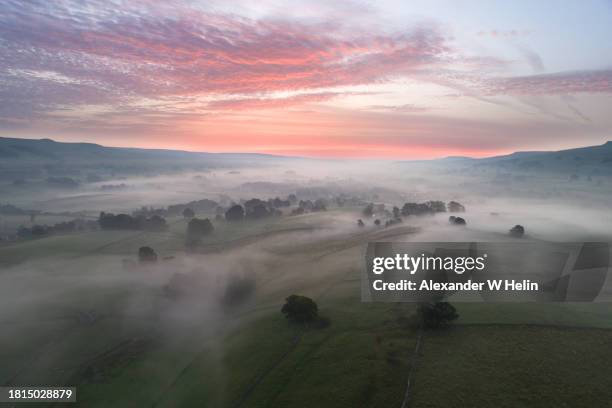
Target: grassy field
column 84, row 318
column 517, row 365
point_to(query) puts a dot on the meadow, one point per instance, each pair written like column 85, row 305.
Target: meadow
column 85, row 317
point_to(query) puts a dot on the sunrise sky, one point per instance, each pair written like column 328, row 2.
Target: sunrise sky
column 389, row 79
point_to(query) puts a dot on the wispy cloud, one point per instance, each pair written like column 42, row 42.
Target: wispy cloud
column 140, row 53
column 561, row 83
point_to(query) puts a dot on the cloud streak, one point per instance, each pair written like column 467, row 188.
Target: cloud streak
column 140, row 54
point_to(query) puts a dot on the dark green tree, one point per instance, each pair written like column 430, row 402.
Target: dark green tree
column 517, row 231
column 147, row 254
column 300, row 309
column 235, row 213
column 198, row 228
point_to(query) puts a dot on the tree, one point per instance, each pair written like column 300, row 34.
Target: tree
column 147, row 254
column 368, row 210
column 300, row 309
column 235, row 213
column 198, row 228
column 188, row 213
column 456, row 220
column 517, row 231
column 360, row 223
column 454, row 206
column 436, row 314
column 377, row 222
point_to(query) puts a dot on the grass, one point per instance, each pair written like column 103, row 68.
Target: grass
column 132, row 354
column 514, row 366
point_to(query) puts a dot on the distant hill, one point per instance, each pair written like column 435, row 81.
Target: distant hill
column 41, row 158
column 47, row 149
column 590, row 160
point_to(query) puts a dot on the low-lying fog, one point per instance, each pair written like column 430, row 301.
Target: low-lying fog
column 47, row 291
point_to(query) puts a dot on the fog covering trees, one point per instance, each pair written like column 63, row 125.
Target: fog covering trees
column 110, row 221
column 454, row 206
column 204, row 285
column 188, row 213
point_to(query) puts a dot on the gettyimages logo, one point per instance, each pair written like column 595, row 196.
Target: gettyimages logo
column 487, row 271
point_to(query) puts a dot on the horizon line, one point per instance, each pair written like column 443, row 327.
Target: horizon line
column 306, row 157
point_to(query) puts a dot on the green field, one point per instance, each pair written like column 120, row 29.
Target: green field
column 85, row 317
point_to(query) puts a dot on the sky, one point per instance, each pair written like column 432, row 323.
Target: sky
column 349, row 79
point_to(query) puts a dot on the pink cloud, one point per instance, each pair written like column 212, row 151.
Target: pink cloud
column 138, row 53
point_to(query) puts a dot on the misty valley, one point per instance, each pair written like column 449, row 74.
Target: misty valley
column 172, row 279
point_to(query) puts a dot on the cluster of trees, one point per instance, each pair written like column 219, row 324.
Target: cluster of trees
column 431, row 207
column 256, row 209
column 305, row 206
column 456, row 220
column 60, row 228
column 371, row 210
column 198, row 206
column 110, row 221
column 428, row 207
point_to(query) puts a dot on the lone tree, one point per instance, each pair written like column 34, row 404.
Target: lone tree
column 147, row 254
column 300, row 309
column 360, row 223
column 188, row 213
column 436, row 314
column 198, row 228
column 456, row 220
column 235, row 213
column 517, row 231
